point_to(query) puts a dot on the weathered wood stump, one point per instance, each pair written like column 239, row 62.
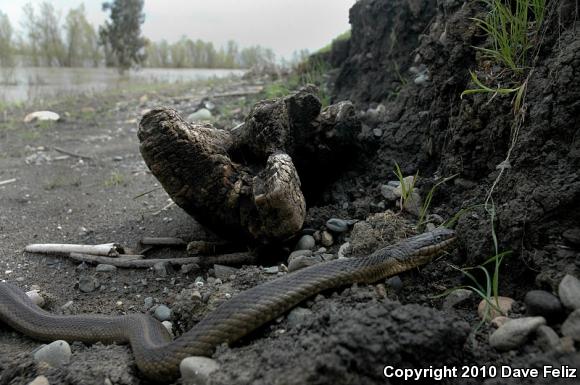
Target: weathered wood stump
column 244, row 184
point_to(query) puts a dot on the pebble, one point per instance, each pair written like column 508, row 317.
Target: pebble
column 40, row 380
column 413, row 204
column 148, row 303
column 572, row 236
column 104, row 268
column 302, row 262
column 196, row 370
column 456, row 297
column 571, row 327
column 390, row 193
column 569, row 292
column 188, row 267
column 160, row 269
column 168, row 325
column 88, row 284
column 223, row 272
column 547, row 338
column 337, row 225
column 328, row 257
column 54, row 354
column 543, row 303
column 326, row 239
column 504, row 303
column 271, row 270
column 343, row 250
column 299, row 253
column 377, row 132
column 395, row 283
column 36, row 298
column 162, row 313
column 515, row 332
column 67, row 305
column 499, row 321
column 298, row 316
column 201, row 114
column 306, row 242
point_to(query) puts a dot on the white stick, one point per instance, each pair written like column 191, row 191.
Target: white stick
column 8, row 181
column 108, row 249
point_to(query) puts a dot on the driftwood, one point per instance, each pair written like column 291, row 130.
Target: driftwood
column 244, row 184
column 69, row 153
column 136, row 262
column 8, row 181
column 108, row 249
column 163, row 241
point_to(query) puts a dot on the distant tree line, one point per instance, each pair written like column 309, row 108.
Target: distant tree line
column 187, row 53
column 47, row 39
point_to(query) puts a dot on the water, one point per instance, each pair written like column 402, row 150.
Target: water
column 22, row 84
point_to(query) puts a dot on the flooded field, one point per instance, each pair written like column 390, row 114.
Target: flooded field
column 22, row 84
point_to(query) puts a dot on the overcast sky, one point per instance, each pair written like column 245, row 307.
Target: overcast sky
column 283, row 25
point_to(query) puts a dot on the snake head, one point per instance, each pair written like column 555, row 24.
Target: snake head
column 432, row 243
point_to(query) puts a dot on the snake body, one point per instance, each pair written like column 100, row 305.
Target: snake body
column 158, row 357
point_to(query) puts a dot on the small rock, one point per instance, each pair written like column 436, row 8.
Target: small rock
column 504, row 303
column 542, row 303
column 196, row 370
column 148, row 303
column 298, row 316
column 104, row 268
column 547, row 338
column 572, row 236
column 82, row 266
column 569, row 292
column 326, row 239
column 343, row 250
column 321, row 250
column 67, row 305
column 514, row 332
column 377, row 132
column 162, row 313
column 390, row 193
column 302, row 262
column 223, row 272
column 117, row 158
column 201, row 114
column 328, row 257
column 456, row 297
column 40, row 380
column 299, row 253
column 571, row 327
column 160, row 269
column 189, row 267
column 566, row 345
column 35, row 297
column 41, row 116
column 394, row 283
column 168, row 325
column 306, row 242
column 107, row 381
column 55, row 354
column 337, row 225
column 499, row 321
column 271, row 270
column 88, row 284
column 413, row 204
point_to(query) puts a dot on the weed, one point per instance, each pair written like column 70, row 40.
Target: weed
column 61, row 181
column 406, row 187
column 511, row 30
column 116, row 179
column 428, row 198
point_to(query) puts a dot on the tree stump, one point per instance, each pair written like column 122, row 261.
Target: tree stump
column 244, row 184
